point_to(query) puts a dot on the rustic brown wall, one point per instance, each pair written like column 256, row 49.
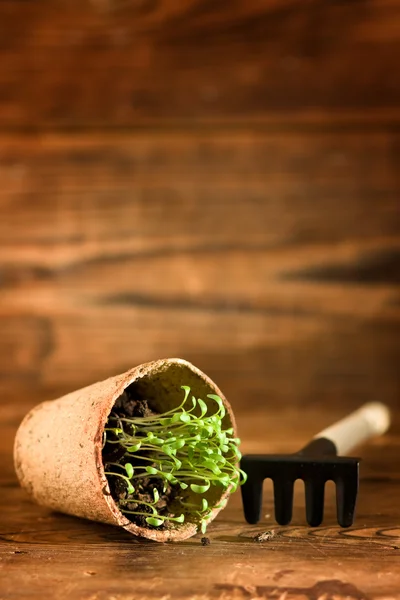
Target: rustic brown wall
column 214, row 180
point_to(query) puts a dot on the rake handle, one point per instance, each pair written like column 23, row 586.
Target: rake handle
column 368, row 421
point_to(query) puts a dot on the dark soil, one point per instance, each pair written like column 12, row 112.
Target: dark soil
column 129, row 406
column 205, row 541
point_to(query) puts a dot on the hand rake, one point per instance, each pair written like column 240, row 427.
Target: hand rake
column 315, row 464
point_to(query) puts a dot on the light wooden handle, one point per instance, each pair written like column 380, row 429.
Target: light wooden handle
column 368, row 421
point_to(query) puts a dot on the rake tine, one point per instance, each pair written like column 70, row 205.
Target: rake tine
column 346, row 498
column 283, row 497
column 315, row 492
column 252, row 499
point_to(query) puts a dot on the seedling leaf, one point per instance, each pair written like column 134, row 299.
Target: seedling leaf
column 135, row 447
column 155, row 521
column 151, row 470
column 203, row 407
column 199, row 489
column 129, row 470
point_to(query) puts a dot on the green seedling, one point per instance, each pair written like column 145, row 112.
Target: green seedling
column 184, row 448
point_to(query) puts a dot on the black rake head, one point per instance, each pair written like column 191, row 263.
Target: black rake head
column 316, row 464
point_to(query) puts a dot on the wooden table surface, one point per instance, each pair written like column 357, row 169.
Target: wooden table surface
column 47, row 555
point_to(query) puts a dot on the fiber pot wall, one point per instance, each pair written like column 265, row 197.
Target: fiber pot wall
column 58, row 446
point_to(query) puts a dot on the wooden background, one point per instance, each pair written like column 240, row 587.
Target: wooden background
column 217, row 180
column 212, row 180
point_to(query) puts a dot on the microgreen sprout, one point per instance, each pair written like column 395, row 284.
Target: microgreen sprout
column 185, row 450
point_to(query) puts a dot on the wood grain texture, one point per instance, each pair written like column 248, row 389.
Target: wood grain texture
column 254, row 255
column 74, row 559
column 217, row 180
column 128, row 63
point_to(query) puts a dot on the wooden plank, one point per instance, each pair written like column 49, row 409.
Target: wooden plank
column 82, row 194
column 263, row 358
column 311, row 281
column 125, row 64
column 74, row 559
column 24, row 343
column 82, row 560
column 253, row 255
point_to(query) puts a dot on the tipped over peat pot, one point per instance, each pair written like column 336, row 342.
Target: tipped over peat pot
column 58, row 446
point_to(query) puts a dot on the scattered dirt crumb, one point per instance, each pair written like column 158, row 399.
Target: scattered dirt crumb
column 396, row 547
column 205, row 541
column 89, row 573
column 264, row 536
column 19, row 552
